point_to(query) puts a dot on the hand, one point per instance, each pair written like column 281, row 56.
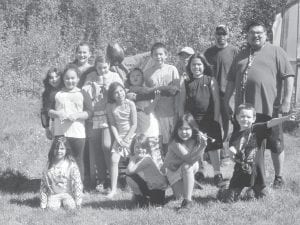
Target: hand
column 131, row 96
column 202, row 139
column 72, row 117
column 125, row 143
column 62, row 116
column 49, row 134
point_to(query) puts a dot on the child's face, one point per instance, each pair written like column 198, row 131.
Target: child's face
column 102, row 68
column 54, row 79
column 136, row 78
column 197, row 67
column 60, row 151
column 139, row 150
column 71, row 79
column 119, row 94
column 245, row 118
column 83, row 54
column 185, row 132
column 159, row 56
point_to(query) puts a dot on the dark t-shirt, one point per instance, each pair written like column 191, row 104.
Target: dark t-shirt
column 221, row 60
column 247, row 142
column 199, row 101
column 270, row 65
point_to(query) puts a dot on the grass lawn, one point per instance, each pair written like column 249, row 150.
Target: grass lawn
column 23, row 152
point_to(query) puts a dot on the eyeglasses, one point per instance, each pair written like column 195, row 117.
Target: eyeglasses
column 256, row 33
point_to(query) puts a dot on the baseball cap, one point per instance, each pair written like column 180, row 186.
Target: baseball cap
column 187, row 50
column 222, row 29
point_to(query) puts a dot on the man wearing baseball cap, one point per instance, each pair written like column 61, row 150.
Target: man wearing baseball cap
column 220, row 56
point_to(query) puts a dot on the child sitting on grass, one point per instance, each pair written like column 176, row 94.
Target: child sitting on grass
column 249, row 162
column 61, row 183
column 143, row 174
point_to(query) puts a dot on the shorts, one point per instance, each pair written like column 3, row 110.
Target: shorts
column 212, row 129
column 274, row 138
column 166, row 127
column 175, row 176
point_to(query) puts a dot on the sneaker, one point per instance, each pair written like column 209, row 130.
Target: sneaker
column 186, row 204
column 218, row 180
column 278, row 182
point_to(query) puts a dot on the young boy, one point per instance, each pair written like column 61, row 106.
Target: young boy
column 168, row 108
column 245, row 146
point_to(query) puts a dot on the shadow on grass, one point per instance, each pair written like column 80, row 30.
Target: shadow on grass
column 31, row 202
column 205, row 200
column 111, row 204
column 14, row 182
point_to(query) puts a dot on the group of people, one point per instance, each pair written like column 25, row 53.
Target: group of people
column 159, row 119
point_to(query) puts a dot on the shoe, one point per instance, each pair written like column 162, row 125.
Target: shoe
column 278, row 182
column 186, row 204
column 218, row 180
column 249, row 195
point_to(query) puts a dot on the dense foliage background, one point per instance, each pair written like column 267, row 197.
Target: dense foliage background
column 37, row 34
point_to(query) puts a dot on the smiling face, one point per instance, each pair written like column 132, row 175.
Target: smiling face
column 119, row 94
column 54, row 79
column 159, row 55
column 245, row 118
column 60, row 151
column 102, row 68
column 83, row 54
column 221, row 39
column 70, row 79
column 139, row 150
column 136, row 78
column 197, row 67
column 185, row 132
column 256, row 36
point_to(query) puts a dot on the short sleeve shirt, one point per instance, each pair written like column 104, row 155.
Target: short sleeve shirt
column 270, row 65
column 221, row 60
column 157, row 77
column 248, row 141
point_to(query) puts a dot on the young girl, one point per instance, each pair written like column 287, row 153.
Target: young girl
column 52, row 84
column 61, row 183
column 99, row 137
column 123, row 122
column 203, row 103
column 143, row 174
column 185, row 149
column 82, row 56
column 72, row 108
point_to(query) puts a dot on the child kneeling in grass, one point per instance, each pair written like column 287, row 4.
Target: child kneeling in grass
column 185, row 149
column 245, row 145
column 143, row 174
column 61, row 183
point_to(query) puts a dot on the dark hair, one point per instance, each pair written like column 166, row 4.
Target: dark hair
column 47, row 87
column 207, row 66
column 189, row 119
column 70, row 66
column 57, row 142
column 246, row 106
column 142, row 140
column 158, row 45
column 254, row 23
column 129, row 74
column 112, row 87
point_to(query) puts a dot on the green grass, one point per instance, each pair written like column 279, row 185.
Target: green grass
column 23, row 156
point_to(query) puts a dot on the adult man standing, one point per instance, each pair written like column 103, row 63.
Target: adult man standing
column 257, row 75
column 220, row 56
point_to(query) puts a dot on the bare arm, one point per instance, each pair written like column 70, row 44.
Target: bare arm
column 228, row 94
column 133, row 118
column 112, row 123
column 288, row 91
column 215, row 94
column 135, row 165
column 277, row 121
